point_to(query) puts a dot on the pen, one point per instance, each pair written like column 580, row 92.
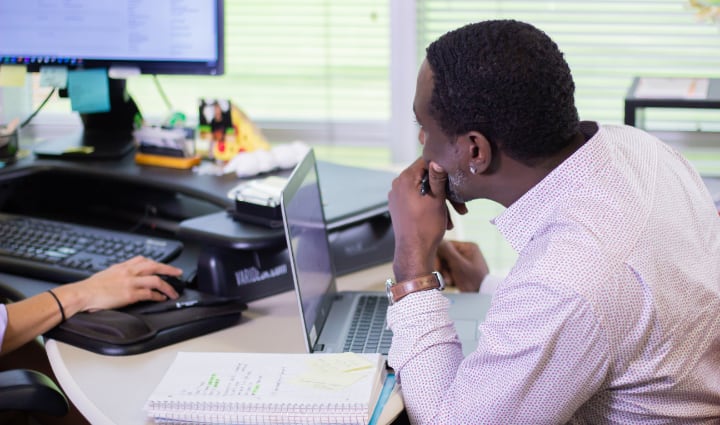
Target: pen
column 385, row 393
column 161, row 308
column 425, row 184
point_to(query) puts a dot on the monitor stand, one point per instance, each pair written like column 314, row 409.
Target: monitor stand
column 105, row 135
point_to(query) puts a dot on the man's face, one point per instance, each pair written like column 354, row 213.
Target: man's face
column 437, row 146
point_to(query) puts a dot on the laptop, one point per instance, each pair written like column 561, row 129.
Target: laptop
column 338, row 321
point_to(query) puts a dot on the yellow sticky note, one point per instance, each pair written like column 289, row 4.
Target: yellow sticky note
column 12, row 75
column 341, row 362
column 335, row 371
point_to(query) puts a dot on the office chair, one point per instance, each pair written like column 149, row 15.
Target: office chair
column 26, row 390
column 32, row 392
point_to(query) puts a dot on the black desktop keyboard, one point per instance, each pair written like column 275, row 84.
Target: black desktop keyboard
column 63, row 252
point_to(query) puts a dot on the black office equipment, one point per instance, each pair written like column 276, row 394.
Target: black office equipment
column 146, row 326
column 65, row 252
column 231, row 258
column 248, row 262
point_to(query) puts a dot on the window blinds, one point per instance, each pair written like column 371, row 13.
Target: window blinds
column 311, row 69
column 606, row 43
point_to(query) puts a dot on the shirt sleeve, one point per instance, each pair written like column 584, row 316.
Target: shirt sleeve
column 541, row 355
column 490, row 283
column 3, row 323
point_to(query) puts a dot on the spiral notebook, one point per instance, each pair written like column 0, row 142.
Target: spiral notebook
column 268, row 388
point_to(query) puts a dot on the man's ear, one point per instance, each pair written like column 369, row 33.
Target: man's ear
column 479, row 152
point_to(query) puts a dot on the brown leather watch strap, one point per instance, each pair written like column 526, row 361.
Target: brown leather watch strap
column 422, row 283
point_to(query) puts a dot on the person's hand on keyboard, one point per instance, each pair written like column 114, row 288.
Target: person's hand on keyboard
column 117, row 286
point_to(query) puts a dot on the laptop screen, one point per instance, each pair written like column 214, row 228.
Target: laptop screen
column 308, row 246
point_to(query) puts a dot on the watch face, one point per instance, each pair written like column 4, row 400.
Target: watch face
column 440, row 279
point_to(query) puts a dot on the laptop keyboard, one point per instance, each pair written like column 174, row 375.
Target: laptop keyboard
column 368, row 329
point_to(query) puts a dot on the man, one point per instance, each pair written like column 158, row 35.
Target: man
column 612, row 312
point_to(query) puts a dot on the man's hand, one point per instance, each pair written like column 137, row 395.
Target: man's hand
column 462, row 265
column 419, row 217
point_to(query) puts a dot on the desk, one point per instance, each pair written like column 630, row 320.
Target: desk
column 112, row 390
column 634, row 103
column 192, row 208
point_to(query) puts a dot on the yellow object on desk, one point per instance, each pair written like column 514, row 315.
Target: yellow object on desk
column 167, row 161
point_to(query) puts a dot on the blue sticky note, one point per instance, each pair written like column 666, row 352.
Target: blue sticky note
column 89, row 90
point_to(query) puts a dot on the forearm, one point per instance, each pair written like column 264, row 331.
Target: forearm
column 425, row 353
column 31, row 317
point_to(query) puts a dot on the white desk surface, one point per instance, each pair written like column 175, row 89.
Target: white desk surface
column 112, row 390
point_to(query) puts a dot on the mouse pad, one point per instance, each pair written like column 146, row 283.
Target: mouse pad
column 146, row 326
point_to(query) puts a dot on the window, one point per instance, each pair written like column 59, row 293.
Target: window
column 606, row 43
column 315, row 70
column 319, row 70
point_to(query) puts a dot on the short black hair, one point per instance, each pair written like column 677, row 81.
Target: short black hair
column 507, row 80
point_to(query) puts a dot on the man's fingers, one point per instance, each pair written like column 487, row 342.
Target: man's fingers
column 438, row 180
column 459, row 207
column 450, row 225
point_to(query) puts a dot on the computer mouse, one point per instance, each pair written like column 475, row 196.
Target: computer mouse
column 175, row 281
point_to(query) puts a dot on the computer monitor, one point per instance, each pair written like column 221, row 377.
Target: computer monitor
column 127, row 37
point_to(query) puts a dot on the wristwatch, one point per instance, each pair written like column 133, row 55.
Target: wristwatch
column 396, row 291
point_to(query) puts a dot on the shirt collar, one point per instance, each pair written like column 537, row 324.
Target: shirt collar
column 526, row 216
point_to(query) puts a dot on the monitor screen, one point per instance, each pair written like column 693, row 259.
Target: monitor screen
column 146, row 36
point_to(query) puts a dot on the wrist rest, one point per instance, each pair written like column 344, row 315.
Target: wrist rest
column 146, row 326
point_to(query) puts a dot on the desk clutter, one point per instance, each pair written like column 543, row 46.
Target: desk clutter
column 224, row 131
column 227, row 130
column 269, row 388
column 172, row 147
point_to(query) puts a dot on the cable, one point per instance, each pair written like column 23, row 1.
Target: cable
column 149, row 210
column 165, row 99
column 28, row 119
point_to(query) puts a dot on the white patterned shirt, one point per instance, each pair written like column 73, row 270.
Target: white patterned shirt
column 610, row 315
